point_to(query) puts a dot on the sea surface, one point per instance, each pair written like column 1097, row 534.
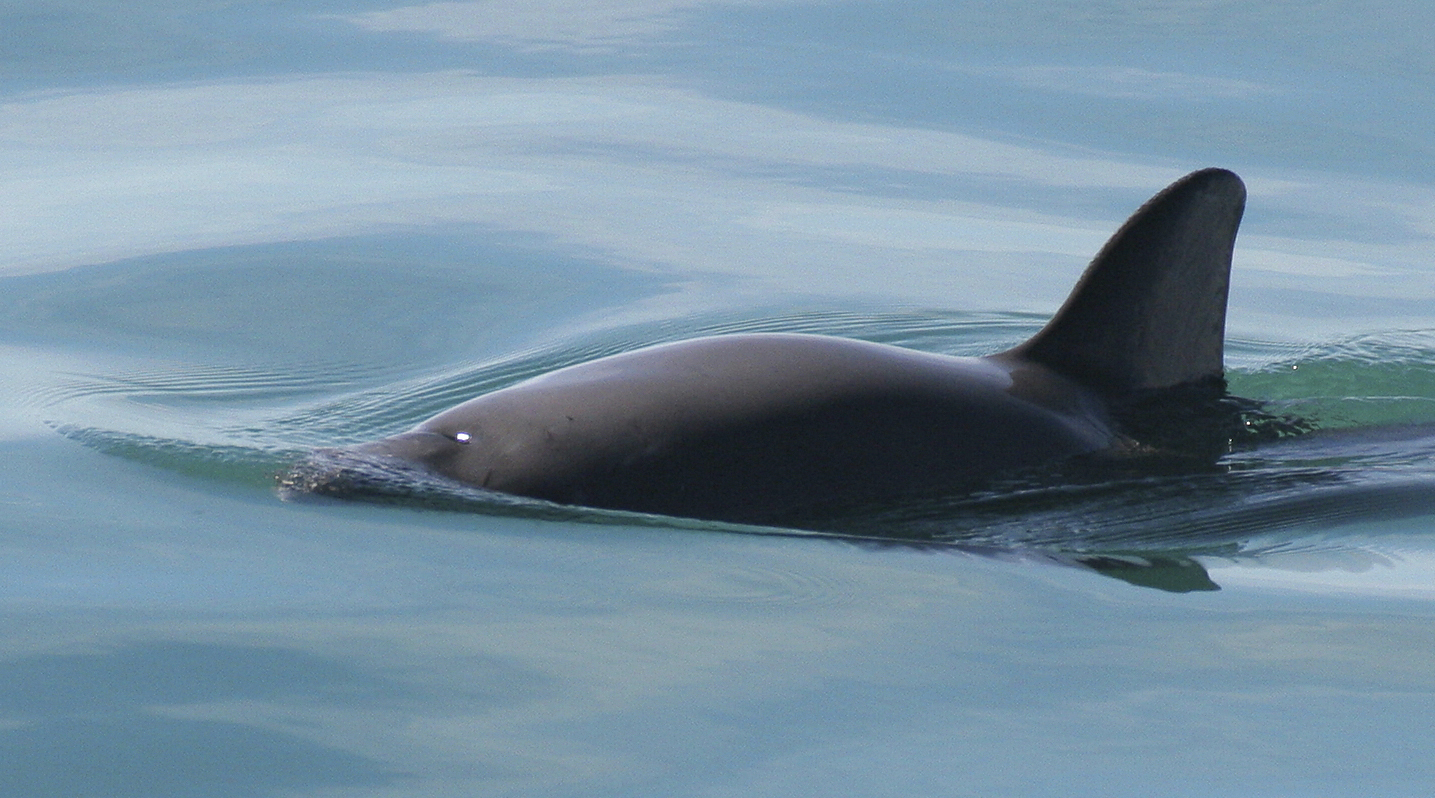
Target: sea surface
column 231, row 232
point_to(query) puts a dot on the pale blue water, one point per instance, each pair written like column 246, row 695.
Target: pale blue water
column 235, row 232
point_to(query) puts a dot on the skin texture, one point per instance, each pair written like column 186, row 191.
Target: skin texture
column 764, row 428
column 751, row 427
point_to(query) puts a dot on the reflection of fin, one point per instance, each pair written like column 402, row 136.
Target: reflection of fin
column 1172, row 573
column 1150, row 311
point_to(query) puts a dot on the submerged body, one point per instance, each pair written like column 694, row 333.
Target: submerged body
column 767, row 428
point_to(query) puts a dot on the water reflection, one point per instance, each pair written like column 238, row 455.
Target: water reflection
column 682, row 157
column 638, row 172
column 148, row 756
column 130, row 722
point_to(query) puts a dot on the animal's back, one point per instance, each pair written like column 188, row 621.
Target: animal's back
column 757, row 427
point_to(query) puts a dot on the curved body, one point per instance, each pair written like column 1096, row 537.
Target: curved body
column 751, row 428
column 764, row 428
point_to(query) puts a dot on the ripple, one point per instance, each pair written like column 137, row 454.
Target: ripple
column 752, row 586
column 201, row 384
column 235, row 464
column 1385, row 378
column 247, row 425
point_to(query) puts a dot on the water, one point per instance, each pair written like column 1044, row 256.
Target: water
column 235, row 233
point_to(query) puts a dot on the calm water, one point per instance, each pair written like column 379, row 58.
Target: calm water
column 235, row 232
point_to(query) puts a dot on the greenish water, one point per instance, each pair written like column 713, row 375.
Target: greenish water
column 235, row 233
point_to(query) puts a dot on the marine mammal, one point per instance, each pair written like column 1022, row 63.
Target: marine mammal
column 761, row 428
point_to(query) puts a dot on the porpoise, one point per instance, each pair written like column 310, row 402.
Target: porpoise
column 762, row 428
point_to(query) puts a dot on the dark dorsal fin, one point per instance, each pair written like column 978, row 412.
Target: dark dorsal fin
column 1150, row 311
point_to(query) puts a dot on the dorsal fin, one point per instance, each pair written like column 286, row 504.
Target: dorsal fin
column 1150, row 311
